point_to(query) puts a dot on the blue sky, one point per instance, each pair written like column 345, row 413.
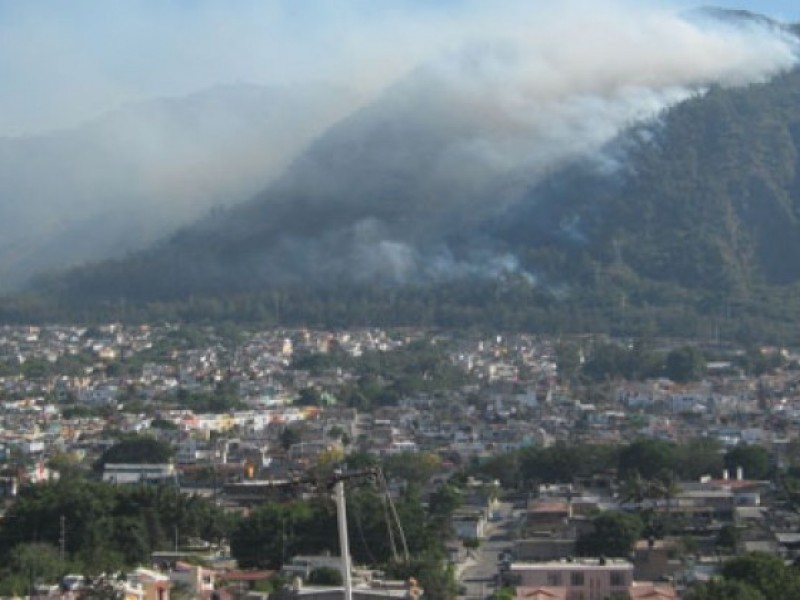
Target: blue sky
column 62, row 63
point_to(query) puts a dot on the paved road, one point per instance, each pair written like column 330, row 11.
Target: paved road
column 477, row 578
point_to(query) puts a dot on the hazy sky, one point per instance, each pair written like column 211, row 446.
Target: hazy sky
column 62, row 63
column 788, row 10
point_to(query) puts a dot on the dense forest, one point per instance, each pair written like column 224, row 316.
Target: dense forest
column 627, row 308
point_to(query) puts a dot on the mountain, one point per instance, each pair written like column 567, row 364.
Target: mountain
column 707, row 198
column 426, row 206
column 118, row 184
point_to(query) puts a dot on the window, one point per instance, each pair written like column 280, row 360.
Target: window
column 576, row 579
column 554, row 579
column 618, row 580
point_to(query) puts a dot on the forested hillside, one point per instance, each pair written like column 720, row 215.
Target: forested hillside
column 125, row 180
column 706, row 198
column 688, row 223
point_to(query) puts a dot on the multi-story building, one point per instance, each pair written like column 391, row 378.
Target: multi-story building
column 584, row 579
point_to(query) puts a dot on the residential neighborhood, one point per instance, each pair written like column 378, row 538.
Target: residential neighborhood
column 255, row 417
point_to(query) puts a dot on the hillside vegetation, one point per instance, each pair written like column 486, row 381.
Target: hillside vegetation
column 688, row 225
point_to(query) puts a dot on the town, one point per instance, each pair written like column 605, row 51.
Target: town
column 515, row 466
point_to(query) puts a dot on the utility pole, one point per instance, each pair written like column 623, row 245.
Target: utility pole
column 344, row 542
column 336, row 481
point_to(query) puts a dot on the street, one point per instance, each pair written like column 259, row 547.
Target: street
column 476, row 578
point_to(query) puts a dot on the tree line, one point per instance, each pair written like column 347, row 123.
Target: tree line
column 79, row 525
column 649, row 459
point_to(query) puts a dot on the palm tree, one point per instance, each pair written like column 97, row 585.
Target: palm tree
column 668, row 488
column 635, row 489
column 639, row 491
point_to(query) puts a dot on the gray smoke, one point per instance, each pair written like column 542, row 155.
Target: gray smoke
column 396, row 191
column 121, row 182
column 449, row 112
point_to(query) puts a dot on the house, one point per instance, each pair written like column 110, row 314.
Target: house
column 541, row 593
column 302, row 566
column 147, row 584
column 365, row 591
column 590, row 579
column 651, row 591
column 242, row 581
column 198, row 580
column 192, row 451
column 651, row 559
column 469, row 524
column 129, row 474
column 547, row 515
column 8, row 487
column 545, row 548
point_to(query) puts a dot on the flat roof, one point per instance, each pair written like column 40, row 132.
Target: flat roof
column 550, row 506
column 583, row 564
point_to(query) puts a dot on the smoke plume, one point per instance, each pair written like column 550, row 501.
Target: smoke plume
column 450, row 111
column 398, row 190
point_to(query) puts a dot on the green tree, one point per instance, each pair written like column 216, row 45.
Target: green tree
column 765, row 573
column 685, row 364
column 505, row 468
column 754, row 461
column 613, row 534
column 756, row 362
column 273, row 533
column 38, row 561
column 413, row 467
column 698, row 457
column 445, row 501
column 136, row 449
column 724, row 590
column 728, row 537
column 568, row 359
column 562, row 462
column 309, row 397
column 66, row 464
column 649, row 458
column 290, row 436
column 103, row 587
column 108, row 527
column 36, row 368
column 434, row 574
column 504, row 593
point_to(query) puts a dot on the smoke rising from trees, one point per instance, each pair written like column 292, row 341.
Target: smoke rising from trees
column 450, row 114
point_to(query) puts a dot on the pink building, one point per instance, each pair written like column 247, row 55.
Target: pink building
column 583, row 579
column 650, row 591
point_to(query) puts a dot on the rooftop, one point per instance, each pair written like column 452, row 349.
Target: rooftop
column 598, row 564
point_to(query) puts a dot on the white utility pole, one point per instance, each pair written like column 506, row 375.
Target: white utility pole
column 344, row 544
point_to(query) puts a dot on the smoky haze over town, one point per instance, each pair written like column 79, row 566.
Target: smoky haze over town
column 453, row 300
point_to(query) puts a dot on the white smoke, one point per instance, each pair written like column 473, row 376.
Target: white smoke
column 562, row 83
column 511, row 89
column 459, row 138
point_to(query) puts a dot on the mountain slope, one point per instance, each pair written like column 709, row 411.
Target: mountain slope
column 708, row 197
column 117, row 184
column 428, row 187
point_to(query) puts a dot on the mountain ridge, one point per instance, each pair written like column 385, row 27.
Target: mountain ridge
column 678, row 215
column 122, row 181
